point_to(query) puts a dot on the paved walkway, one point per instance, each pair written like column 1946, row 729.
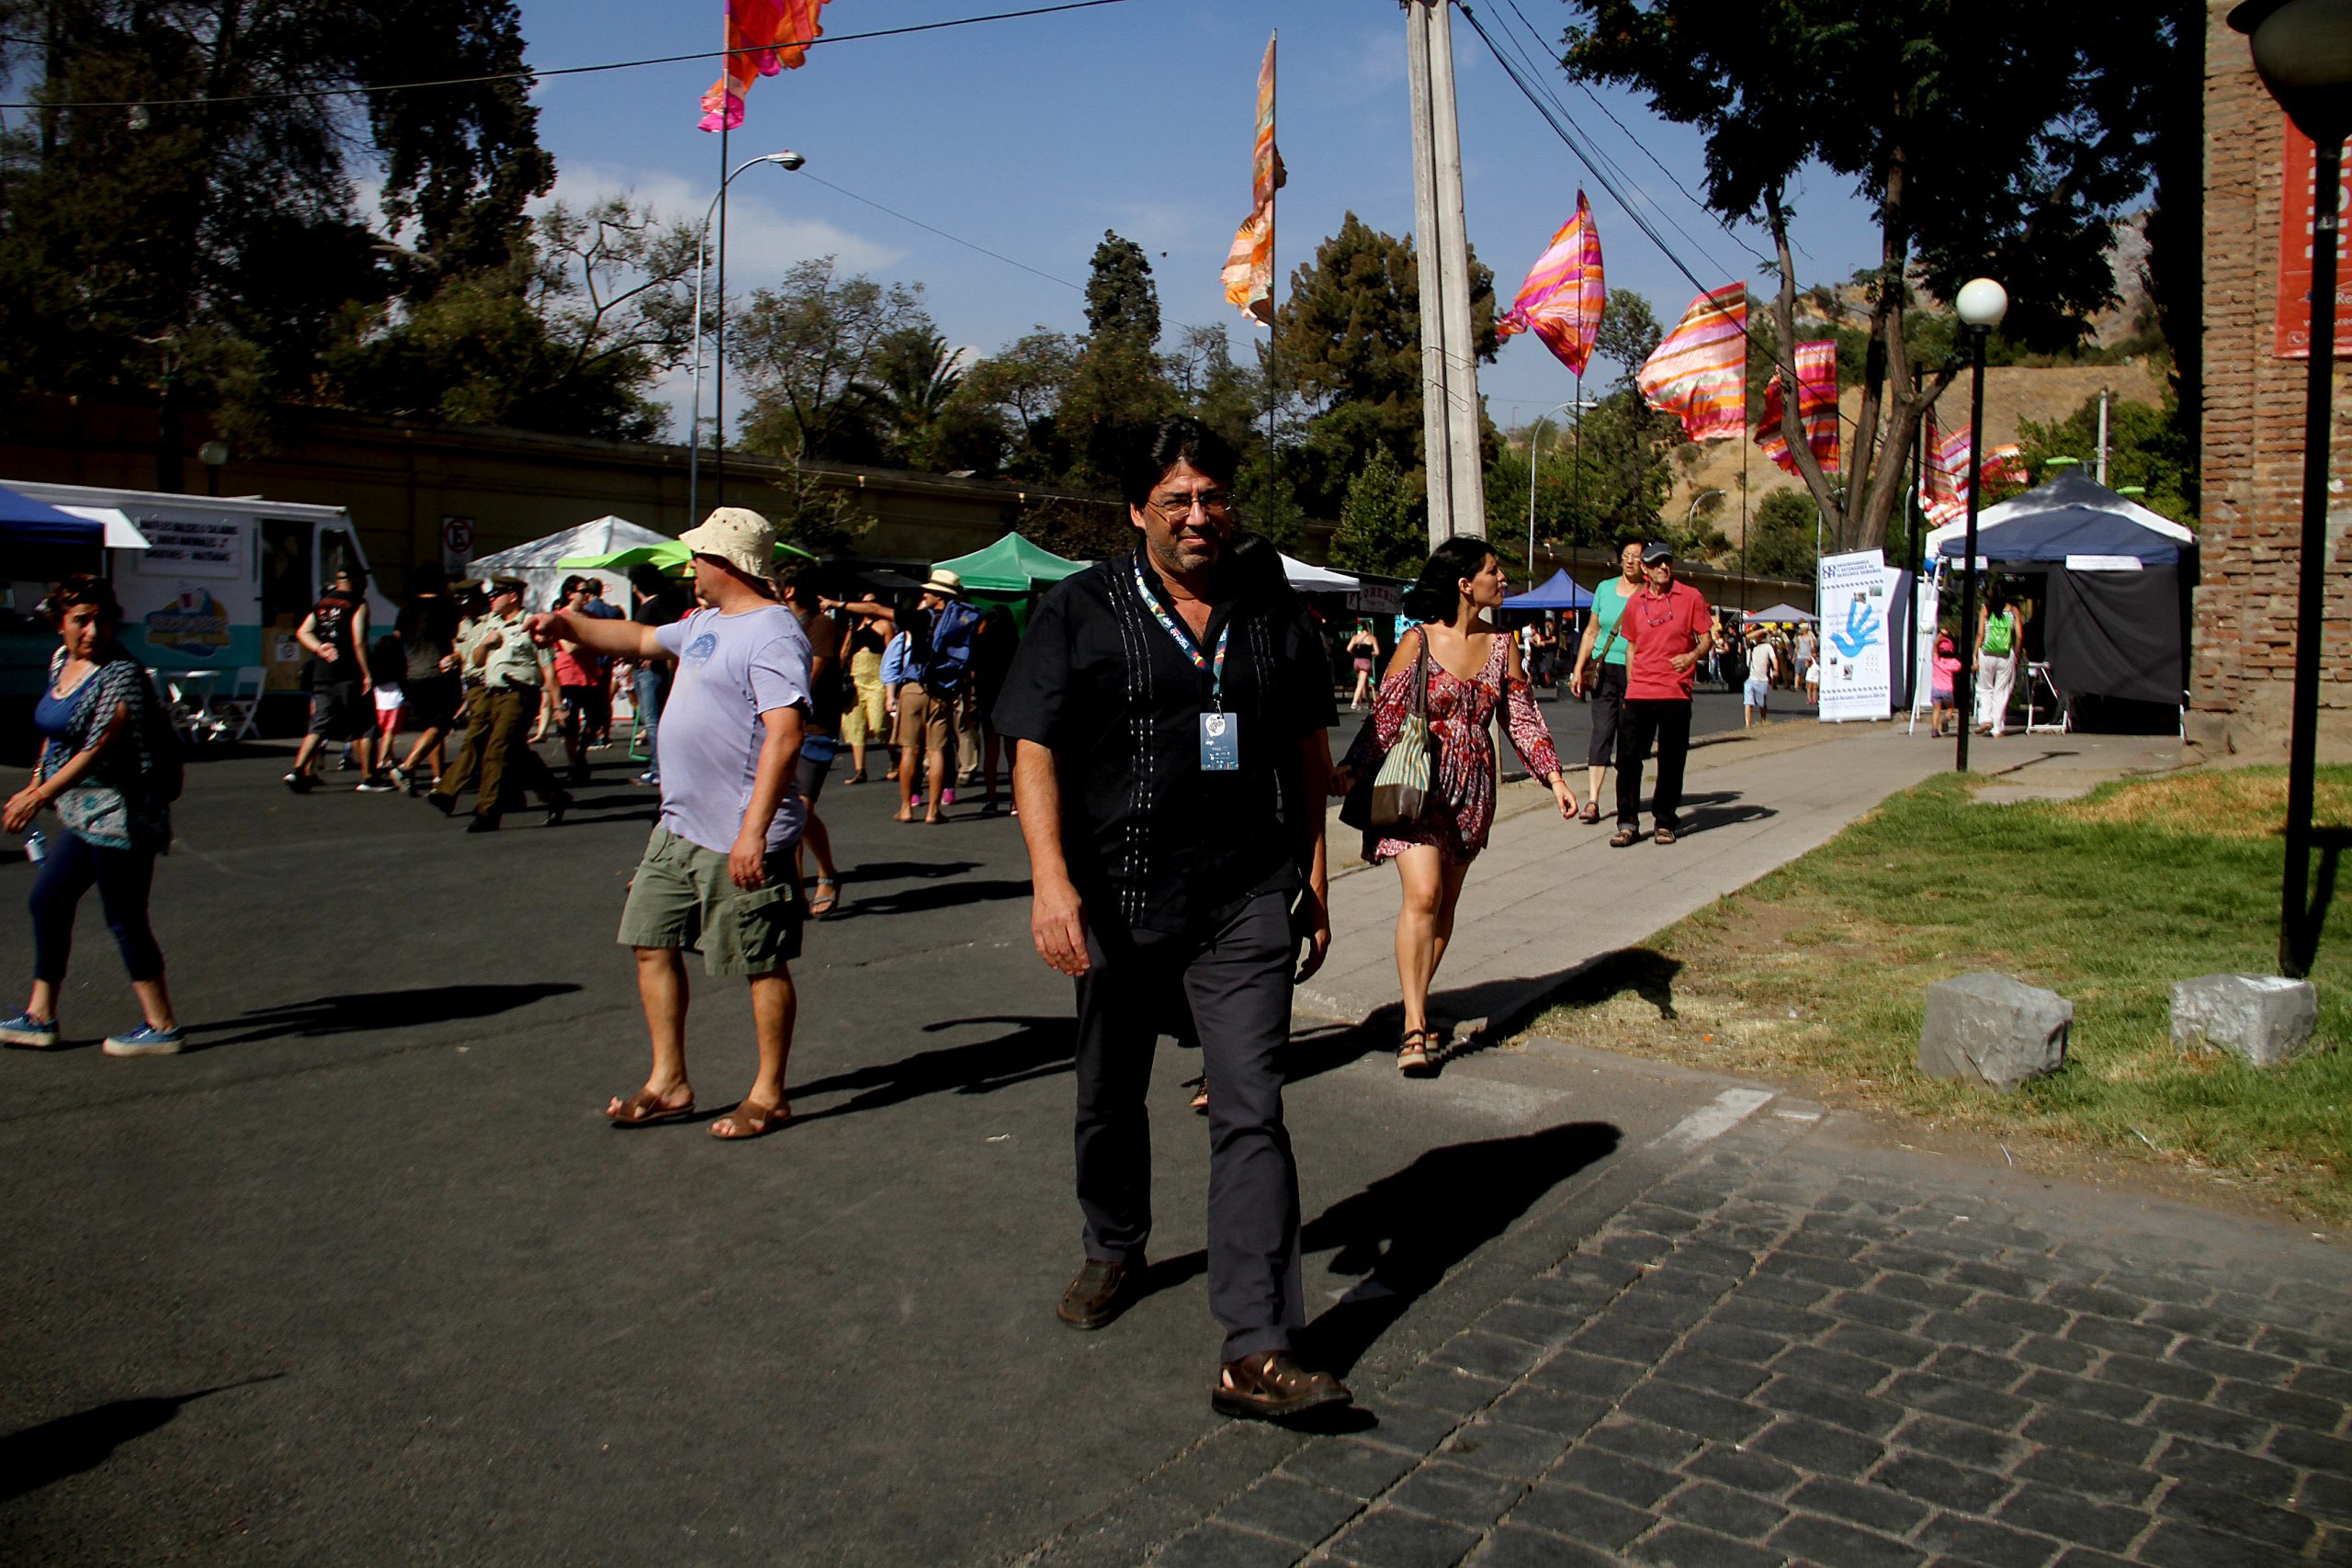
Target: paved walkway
column 1764, row 1336
column 1800, row 1346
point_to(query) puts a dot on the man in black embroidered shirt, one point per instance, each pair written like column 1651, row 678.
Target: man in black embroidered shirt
column 1170, row 770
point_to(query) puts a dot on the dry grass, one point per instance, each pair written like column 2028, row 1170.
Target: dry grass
column 2242, row 803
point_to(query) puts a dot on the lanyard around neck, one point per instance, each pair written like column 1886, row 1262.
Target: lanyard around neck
column 1183, row 640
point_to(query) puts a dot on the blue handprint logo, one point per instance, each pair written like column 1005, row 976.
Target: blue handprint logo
column 1861, row 629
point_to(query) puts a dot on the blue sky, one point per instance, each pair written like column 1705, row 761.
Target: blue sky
column 1032, row 137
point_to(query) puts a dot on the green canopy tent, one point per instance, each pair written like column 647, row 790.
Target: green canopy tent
column 1011, row 573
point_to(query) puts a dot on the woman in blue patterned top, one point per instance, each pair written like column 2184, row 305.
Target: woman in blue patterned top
column 109, row 765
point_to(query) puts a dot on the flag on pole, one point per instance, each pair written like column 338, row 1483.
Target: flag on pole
column 1816, row 409
column 1562, row 299
column 1943, row 488
column 763, row 37
column 2004, row 465
column 1700, row 373
column 1249, row 275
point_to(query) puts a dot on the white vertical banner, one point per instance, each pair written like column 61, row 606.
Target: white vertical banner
column 1851, row 597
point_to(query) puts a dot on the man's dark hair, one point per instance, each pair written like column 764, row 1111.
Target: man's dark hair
column 1439, row 592
column 428, row 579
column 1172, row 441
column 359, row 574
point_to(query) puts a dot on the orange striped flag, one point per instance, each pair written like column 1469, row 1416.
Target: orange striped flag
column 1700, row 373
column 1249, row 275
column 763, row 37
column 1562, row 299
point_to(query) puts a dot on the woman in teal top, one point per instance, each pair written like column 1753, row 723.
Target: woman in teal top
column 1606, row 652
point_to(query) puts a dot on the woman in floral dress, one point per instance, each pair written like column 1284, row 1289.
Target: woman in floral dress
column 1473, row 668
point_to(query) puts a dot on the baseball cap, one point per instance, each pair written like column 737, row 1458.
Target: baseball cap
column 1657, row 551
column 738, row 536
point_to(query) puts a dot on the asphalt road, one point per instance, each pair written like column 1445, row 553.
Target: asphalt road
column 364, row 1277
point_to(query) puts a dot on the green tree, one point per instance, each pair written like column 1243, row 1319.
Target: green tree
column 1779, row 537
column 1351, row 347
column 2020, row 181
column 1382, row 520
column 917, row 377
column 812, row 352
column 1023, row 389
column 1118, row 386
column 204, row 251
column 2144, row 448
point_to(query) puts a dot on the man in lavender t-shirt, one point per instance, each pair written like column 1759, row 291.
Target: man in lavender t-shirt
column 718, row 871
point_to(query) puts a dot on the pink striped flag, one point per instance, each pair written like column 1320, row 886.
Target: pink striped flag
column 1562, row 299
column 1816, row 409
column 1700, row 373
column 1943, row 488
column 763, row 37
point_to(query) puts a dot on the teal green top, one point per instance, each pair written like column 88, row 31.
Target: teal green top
column 1608, row 604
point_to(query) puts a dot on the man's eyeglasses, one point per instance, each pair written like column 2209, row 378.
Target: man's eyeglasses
column 1213, row 504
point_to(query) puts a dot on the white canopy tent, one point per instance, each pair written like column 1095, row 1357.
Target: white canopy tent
column 122, row 534
column 2067, row 490
column 1318, row 578
column 535, row 562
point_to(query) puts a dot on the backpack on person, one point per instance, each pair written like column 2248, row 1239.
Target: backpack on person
column 950, row 653
column 2000, row 635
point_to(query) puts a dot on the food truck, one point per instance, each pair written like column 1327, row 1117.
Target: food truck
column 210, row 585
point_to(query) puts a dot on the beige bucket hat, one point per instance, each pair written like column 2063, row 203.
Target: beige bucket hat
column 945, row 582
column 738, row 536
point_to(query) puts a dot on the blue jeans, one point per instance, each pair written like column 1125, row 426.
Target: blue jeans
column 648, row 689
column 122, row 878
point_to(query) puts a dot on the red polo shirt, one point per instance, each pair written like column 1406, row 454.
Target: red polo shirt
column 1662, row 627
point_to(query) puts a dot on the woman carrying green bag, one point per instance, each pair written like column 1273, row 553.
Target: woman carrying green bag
column 1428, row 736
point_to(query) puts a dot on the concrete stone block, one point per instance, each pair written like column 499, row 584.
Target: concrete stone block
column 1989, row 1029
column 2263, row 1018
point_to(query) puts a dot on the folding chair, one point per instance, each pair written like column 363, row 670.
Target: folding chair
column 237, row 716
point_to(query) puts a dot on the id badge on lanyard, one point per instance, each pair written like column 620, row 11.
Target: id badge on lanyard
column 1220, row 731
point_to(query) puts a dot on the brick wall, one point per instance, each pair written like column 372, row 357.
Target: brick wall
column 2242, row 670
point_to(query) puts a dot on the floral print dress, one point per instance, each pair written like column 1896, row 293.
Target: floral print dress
column 1462, row 794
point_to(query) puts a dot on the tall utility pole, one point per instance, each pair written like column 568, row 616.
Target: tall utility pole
column 1457, row 497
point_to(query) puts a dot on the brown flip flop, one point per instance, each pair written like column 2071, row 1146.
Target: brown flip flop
column 644, row 1108
column 750, row 1120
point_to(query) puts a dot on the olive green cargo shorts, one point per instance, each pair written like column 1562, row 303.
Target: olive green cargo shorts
column 682, row 897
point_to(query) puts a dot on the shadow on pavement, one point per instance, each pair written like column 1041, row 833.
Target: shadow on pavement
column 940, row 896
column 907, row 869
column 1719, row 808
column 364, row 1012
column 1407, row 1231
column 39, row 1456
column 1035, row 1048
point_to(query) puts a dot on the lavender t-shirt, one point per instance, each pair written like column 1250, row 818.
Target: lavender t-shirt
column 731, row 669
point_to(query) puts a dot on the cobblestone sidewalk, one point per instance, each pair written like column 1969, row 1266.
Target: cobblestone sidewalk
column 1803, row 1349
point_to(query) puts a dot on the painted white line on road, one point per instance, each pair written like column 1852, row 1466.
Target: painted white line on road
column 1713, row 1120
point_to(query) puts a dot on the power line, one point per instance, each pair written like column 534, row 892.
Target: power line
column 943, row 233
column 535, row 74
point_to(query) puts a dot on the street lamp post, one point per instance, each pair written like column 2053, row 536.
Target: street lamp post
column 785, row 160
column 1982, row 304
column 1534, row 444
column 2303, row 49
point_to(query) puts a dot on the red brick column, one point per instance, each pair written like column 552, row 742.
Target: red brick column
column 2241, row 667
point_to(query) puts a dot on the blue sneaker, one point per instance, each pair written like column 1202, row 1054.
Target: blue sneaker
column 34, row 1034
column 145, row 1041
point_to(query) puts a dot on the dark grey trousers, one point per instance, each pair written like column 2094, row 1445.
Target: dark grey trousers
column 1236, row 978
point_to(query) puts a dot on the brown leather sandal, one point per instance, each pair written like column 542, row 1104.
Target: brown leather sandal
column 1272, row 1386
column 644, row 1108
column 1663, row 835
column 1623, row 838
column 750, row 1120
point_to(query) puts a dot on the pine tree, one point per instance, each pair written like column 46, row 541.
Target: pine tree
column 1381, row 528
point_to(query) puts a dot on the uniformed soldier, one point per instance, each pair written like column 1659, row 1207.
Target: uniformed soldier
column 517, row 686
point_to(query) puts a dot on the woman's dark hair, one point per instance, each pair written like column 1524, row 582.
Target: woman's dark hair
column 84, row 588
column 428, row 579
column 1638, row 541
column 1439, row 592
column 1172, row 441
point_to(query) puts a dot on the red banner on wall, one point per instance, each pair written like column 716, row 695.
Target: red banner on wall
column 2292, row 331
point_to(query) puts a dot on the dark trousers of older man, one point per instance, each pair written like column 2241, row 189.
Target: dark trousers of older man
column 1666, row 721
column 1236, row 975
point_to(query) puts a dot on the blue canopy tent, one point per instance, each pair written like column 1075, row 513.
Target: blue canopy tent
column 24, row 521
column 2120, row 579
column 1558, row 592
